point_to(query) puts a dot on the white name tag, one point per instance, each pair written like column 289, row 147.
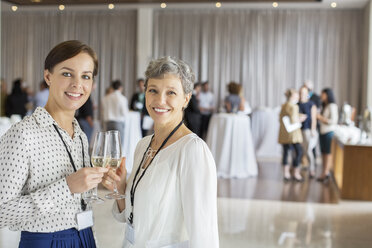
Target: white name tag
column 84, row 219
column 129, row 233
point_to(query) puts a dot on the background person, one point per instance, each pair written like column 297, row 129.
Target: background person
column 192, row 112
column 291, row 139
column 115, row 109
column 234, row 101
column 41, row 97
column 328, row 123
column 206, row 106
column 308, row 128
column 17, row 100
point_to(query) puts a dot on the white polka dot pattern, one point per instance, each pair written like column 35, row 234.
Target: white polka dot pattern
column 34, row 195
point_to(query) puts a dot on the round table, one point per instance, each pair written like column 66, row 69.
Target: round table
column 265, row 131
column 230, row 140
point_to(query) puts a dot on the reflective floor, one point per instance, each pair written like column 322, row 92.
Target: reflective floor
column 260, row 223
column 255, row 223
column 265, row 212
column 269, row 185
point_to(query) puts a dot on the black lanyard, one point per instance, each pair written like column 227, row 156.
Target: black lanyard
column 82, row 202
column 134, row 185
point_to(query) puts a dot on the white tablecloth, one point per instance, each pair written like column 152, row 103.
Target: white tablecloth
column 265, row 132
column 5, row 124
column 230, row 140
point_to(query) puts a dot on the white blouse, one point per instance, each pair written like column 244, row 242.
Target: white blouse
column 34, row 163
column 176, row 201
column 331, row 114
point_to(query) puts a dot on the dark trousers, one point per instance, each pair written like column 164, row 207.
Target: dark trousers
column 204, row 124
column 297, row 156
column 116, row 125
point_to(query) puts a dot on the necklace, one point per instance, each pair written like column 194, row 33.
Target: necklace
column 150, row 153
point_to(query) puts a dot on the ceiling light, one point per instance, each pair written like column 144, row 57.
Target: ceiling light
column 14, row 8
column 61, row 7
column 333, row 4
column 218, row 5
column 275, row 4
column 163, row 5
column 36, row 1
column 111, row 6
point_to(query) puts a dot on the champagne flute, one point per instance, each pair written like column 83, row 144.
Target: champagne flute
column 98, row 159
column 114, row 158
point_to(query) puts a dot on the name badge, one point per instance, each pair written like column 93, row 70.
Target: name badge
column 84, row 219
column 129, row 233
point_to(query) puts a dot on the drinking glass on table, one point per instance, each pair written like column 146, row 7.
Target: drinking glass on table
column 114, row 157
column 98, row 159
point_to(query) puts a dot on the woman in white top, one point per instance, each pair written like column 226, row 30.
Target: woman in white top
column 172, row 192
column 44, row 161
column 328, row 123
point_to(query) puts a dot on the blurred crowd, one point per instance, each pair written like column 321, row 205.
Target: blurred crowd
column 114, row 106
column 306, row 120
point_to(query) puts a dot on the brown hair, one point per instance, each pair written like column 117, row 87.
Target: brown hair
column 289, row 93
column 66, row 50
column 234, row 88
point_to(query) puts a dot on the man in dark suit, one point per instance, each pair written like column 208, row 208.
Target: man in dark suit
column 192, row 112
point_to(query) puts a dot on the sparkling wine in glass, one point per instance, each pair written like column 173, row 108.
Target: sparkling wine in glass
column 98, row 159
column 114, row 157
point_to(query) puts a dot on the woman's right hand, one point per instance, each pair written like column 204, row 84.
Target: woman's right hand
column 120, row 177
column 85, row 179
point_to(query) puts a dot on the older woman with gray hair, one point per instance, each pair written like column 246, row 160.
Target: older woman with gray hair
column 172, row 193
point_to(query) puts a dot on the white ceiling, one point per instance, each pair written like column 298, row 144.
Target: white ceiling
column 325, row 4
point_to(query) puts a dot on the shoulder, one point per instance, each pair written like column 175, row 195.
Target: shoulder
column 333, row 107
column 193, row 146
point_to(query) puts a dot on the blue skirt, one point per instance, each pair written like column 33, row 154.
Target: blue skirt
column 70, row 238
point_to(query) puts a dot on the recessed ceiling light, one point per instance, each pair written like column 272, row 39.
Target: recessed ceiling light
column 275, row 4
column 36, row 1
column 333, row 4
column 61, row 7
column 218, row 5
column 163, row 5
column 111, row 6
column 14, row 8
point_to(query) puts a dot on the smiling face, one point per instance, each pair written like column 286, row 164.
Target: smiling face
column 70, row 82
column 165, row 100
column 324, row 97
column 304, row 94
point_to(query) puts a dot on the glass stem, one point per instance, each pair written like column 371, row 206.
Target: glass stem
column 95, row 192
column 115, row 189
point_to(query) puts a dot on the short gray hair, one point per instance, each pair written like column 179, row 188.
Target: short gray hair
column 169, row 65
